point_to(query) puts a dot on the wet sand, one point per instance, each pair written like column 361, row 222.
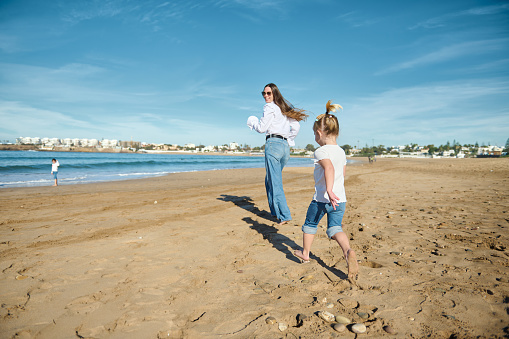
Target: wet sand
column 197, row 255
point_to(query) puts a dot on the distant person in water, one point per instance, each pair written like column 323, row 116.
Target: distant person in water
column 280, row 123
column 54, row 170
column 330, row 197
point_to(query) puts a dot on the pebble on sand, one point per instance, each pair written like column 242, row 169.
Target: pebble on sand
column 358, row 328
column 339, row 327
column 363, row 315
column 327, row 316
column 270, row 320
column 282, row 327
column 342, row 320
column 389, row 329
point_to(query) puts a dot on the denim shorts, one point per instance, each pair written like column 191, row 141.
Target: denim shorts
column 55, row 174
column 317, row 210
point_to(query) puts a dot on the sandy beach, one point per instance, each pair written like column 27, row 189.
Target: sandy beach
column 197, row 255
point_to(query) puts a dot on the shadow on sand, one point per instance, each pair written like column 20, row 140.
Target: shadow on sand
column 271, row 233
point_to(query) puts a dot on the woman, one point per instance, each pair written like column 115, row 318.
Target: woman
column 280, row 123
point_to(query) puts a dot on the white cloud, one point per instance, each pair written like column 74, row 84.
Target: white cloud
column 443, row 20
column 449, row 53
column 429, row 114
column 356, row 20
column 21, row 120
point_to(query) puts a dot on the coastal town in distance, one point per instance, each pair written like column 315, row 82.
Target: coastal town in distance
column 454, row 150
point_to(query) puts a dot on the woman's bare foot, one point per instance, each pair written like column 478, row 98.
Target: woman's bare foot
column 301, row 256
column 353, row 266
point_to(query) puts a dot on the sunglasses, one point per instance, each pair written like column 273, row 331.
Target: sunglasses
column 266, row 93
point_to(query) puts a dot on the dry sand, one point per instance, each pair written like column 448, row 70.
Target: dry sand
column 107, row 261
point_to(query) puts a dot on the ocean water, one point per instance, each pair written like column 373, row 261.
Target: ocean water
column 32, row 168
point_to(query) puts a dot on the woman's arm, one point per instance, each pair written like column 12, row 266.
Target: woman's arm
column 268, row 116
column 294, row 129
column 329, row 180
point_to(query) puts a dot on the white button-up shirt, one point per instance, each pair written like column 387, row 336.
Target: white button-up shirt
column 274, row 122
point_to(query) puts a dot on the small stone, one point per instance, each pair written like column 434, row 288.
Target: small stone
column 389, row 329
column 21, row 277
column 358, row 328
column 270, row 320
column 342, row 320
column 324, row 299
column 339, row 327
column 240, row 271
column 448, row 316
column 155, row 202
column 378, row 236
column 411, row 318
column 395, row 253
column 330, row 305
column 327, row 316
column 363, row 315
column 282, row 327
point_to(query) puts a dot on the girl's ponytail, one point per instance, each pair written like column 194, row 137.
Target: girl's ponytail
column 328, row 122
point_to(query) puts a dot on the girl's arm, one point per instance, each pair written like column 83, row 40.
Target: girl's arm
column 329, row 180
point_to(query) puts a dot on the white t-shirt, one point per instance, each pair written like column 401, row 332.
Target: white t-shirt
column 275, row 122
column 338, row 158
column 54, row 166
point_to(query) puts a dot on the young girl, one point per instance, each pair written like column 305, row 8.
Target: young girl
column 330, row 197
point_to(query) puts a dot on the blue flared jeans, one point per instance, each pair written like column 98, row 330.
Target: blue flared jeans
column 277, row 154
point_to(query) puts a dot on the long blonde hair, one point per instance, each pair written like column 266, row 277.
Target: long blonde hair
column 286, row 107
column 328, row 123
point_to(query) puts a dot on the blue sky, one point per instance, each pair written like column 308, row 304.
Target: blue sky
column 191, row 71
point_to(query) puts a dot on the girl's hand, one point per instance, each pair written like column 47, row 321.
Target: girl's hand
column 334, row 200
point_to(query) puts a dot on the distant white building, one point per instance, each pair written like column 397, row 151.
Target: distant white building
column 190, row 146
column 106, row 143
column 67, row 142
column 208, row 149
column 54, row 142
column 76, row 142
column 233, row 145
column 28, row 140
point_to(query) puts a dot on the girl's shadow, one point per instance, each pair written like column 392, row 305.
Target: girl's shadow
column 271, row 233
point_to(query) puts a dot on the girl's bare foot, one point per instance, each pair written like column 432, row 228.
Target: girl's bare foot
column 299, row 255
column 353, row 266
column 283, row 222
